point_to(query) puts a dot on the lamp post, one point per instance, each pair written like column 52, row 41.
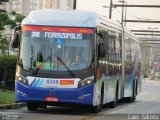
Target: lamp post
column 74, row 4
column 125, row 16
column 110, row 10
column 122, row 10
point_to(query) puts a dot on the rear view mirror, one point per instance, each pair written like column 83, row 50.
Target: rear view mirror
column 101, row 45
column 15, row 38
column 101, row 50
column 100, row 35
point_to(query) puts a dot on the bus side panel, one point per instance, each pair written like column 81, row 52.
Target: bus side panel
column 140, row 76
column 108, row 67
column 97, row 90
column 129, row 84
column 106, row 86
column 132, row 69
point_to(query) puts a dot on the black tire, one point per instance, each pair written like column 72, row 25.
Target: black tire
column 32, row 106
column 113, row 104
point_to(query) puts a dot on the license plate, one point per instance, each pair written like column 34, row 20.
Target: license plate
column 51, row 99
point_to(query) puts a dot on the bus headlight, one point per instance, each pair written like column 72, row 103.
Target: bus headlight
column 22, row 79
column 86, row 82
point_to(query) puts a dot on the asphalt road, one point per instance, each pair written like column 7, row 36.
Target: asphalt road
column 146, row 107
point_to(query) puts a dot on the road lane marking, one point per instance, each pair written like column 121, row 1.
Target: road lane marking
column 117, row 111
column 110, row 111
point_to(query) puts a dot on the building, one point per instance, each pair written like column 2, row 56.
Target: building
column 50, row 4
column 66, row 4
column 25, row 6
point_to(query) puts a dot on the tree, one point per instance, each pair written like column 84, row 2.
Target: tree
column 19, row 18
column 3, row 44
column 5, row 20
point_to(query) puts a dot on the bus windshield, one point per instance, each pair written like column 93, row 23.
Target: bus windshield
column 54, row 51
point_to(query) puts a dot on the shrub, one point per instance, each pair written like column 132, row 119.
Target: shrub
column 7, row 70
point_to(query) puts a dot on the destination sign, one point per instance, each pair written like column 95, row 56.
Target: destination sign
column 63, row 35
column 57, row 35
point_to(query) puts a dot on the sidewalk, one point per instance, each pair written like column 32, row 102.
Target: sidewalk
column 12, row 106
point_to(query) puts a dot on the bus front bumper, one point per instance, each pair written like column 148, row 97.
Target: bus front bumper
column 83, row 95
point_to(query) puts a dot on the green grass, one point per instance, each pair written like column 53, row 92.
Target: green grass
column 7, row 97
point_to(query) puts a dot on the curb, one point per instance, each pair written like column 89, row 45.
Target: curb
column 13, row 106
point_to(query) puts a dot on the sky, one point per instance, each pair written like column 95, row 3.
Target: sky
column 132, row 13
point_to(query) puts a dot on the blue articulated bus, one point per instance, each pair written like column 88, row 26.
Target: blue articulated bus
column 75, row 57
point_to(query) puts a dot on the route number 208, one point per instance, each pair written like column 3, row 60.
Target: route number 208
column 35, row 34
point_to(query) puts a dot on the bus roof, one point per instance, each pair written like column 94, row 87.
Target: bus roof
column 52, row 17
column 70, row 18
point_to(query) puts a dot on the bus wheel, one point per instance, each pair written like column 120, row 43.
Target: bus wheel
column 98, row 108
column 32, row 106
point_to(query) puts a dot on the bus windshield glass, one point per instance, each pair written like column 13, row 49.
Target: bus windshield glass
column 53, row 48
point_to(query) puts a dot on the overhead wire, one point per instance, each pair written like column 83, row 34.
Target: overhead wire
column 140, row 14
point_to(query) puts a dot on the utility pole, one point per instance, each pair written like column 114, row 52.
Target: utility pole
column 125, row 13
column 122, row 11
column 110, row 10
column 74, row 4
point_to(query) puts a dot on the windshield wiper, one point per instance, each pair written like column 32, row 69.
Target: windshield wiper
column 69, row 70
column 36, row 70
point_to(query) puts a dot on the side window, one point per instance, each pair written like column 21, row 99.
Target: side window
column 112, row 52
column 128, row 57
column 118, row 47
column 112, row 43
column 118, row 52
